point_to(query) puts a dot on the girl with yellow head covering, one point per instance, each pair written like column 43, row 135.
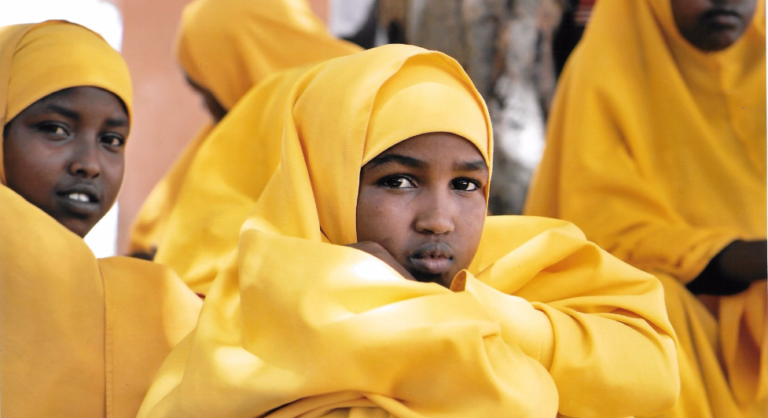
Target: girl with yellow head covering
column 80, row 336
column 226, row 47
column 510, row 316
column 656, row 148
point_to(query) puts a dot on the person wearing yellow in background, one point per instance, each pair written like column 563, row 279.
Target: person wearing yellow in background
column 223, row 182
column 368, row 281
column 80, row 336
column 656, row 149
column 225, row 47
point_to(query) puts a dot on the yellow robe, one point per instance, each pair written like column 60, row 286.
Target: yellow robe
column 297, row 325
column 658, row 152
column 227, row 47
column 79, row 337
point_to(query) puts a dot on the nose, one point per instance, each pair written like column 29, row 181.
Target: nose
column 85, row 160
column 436, row 212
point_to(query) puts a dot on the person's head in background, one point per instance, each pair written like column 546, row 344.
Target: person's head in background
column 713, row 25
column 65, row 108
column 225, row 47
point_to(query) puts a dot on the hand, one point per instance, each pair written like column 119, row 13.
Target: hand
column 744, row 261
column 376, row 250
column 733, row 269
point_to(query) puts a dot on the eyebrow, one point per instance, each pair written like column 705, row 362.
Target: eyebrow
column 71, row 114
column 477, row 165
column 398, row 159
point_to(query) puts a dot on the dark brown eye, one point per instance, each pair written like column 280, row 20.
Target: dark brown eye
column 465, row 185
column 112, row 140
column 397, row 182
column 53, row 129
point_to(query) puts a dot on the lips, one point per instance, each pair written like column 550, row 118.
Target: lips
column 721, row 18
column 82, row 199
column 430, row 261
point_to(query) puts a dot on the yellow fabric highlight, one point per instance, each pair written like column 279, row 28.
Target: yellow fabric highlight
column 80, row 56
column 81, row 337
column 658, row 152
column 228, row 47
column 297, row 325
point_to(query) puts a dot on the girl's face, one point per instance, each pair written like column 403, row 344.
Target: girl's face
column 65, row 154
column 713, row 25
column 423, row 200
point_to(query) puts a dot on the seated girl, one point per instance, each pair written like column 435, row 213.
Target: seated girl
column 368, row 281
column 656, row 148
column 81, row 337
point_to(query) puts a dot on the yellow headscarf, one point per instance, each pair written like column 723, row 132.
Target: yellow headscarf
column 81, row 337
column 657, row 150
column 81, row 58
column 296, row 325
column 227, row 47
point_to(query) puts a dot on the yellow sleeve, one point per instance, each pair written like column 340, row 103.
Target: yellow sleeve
column 295, row 326
column 51, row 317
column 148, row 311
column 597, row 324
column 88, row 335
column 311, row 328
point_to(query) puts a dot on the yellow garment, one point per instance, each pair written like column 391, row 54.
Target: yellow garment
column 227, row 47
column 296, row 325
column 228, row 174
column 658, row 152
column 81, row 337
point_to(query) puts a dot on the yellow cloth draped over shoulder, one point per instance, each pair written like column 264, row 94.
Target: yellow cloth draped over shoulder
column 79, row 337
column 227, row 47
column 223, row 182
column 299, row 325
column 658, row 152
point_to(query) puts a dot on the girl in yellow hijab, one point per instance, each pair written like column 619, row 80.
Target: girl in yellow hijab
column 80, row 336
column 383, row 178
column 656, row 148
column 226, row 47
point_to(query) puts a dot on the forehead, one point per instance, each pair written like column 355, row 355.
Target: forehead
column 85, row 99
column 437, row 147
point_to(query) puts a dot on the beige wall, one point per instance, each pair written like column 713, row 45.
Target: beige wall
column 167, row 113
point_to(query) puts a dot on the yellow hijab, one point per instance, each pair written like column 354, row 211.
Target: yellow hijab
column 227, row 47
column 658, row 152
column 81, row 57
column 296, row 325
column 79, row 336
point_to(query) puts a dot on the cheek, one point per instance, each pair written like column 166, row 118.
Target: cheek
column 380, row 218
column 113, row 169
column 473, row 219
column 30, row 169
